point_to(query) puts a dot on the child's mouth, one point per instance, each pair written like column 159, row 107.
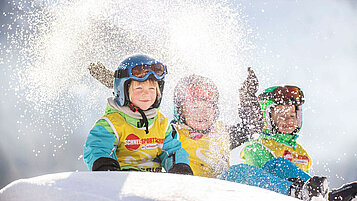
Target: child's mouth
column 202, row 121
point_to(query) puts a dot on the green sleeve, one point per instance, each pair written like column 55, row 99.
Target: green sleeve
column 168, row 130
column 256, row 155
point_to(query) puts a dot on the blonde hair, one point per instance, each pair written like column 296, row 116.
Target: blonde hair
column 150, row 81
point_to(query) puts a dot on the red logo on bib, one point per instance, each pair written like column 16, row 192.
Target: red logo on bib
column 297, row 159
column 132, row 142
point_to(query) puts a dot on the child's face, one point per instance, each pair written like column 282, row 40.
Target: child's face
column 284, row 117
column 199, row 115
column 142, row 94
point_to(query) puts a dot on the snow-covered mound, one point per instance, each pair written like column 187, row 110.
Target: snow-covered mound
column 131, row 186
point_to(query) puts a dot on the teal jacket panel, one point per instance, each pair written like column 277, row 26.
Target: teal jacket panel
column 101, row 142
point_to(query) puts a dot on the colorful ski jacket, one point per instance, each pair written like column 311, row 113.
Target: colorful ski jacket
column 258, row 151
column 209, row 153
column 117, row 135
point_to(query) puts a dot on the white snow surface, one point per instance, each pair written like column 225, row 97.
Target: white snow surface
column 131, row 186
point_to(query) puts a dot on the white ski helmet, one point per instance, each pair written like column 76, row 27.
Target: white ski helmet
column 194, row 88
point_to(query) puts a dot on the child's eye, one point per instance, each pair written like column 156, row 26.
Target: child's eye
column 210, row 107
column 281, row 117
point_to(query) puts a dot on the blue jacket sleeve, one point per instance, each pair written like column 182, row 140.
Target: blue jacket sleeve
column 100, row 143
column 173, row 152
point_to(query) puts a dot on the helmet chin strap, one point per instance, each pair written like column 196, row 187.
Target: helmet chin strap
column 144, row 120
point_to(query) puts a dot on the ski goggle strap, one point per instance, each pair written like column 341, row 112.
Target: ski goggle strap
column 284, row 95
column 142, row 71
column 197, row 93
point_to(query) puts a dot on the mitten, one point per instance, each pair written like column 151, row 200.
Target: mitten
column 346, row 192
column 106, row 164
column 102, row 74
column 181, row 168
column 249, row 110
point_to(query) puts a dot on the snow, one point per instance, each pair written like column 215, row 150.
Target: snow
column 131, row 186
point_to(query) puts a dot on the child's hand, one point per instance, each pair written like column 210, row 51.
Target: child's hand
column 106, row 164
column 102, row 74
column 248, row 89
column 181, row 168
column 250, row 84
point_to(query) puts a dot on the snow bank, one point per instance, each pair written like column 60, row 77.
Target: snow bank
column 131, row 186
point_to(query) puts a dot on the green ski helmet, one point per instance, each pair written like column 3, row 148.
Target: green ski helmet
column 279, row 95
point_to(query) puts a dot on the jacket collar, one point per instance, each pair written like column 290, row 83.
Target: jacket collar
column 150, row 113
column 131, row 117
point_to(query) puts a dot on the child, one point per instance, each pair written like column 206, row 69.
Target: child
column 196, row 126
column 277, row 155
column 281, row 108
column 281, row 125
column 133, row 134
column 207, row 140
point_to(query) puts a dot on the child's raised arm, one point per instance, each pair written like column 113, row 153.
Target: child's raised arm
column 102, row 74
column 249, row 111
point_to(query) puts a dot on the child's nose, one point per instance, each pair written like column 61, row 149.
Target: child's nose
column 146, row 91
column 290, row 120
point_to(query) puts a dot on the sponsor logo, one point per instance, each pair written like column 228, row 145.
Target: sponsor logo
column 152, row 140
column 151, row 143
column 149, row 146
column 132, row 142
column 157, row 169
column 295, row 158
column 300, row 161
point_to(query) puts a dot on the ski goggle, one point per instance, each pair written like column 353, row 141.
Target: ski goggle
column 197, row 93
column 284, row 95
column 142, row 72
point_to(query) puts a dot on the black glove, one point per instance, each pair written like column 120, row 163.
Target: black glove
column 346, row 192
column 251, row 84
column 106, row 164
column 102, row 74
column 296, row 187
column 181, row 168
column 249, row 110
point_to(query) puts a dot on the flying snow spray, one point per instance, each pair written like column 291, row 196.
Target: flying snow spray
column 53, row 42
